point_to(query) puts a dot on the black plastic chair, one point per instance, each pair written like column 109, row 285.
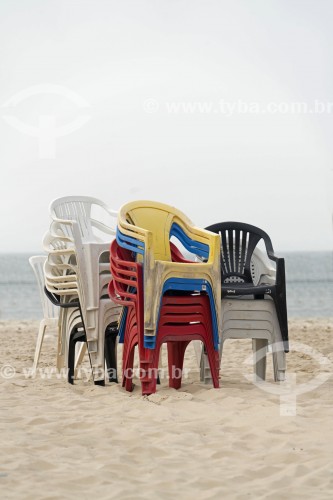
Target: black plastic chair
column 238, row 241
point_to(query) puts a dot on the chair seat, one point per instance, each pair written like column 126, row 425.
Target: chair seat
column 232, row 289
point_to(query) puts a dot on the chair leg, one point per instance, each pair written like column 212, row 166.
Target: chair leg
column 280, row 303
column 128, row 363
column 149, row 370
column 214, row 364
column 197, row 346
column 75, row 336
column 279, row 364
column 259, row 365
column 205, row 372
column 61, row 340
column 80, row 357
column 176, row 353
column 110, row 348
column 40, row 338
column 160, row 363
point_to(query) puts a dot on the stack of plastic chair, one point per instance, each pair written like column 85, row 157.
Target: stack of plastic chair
column 182, row 319
column 78, row 270
column 146, row 227
column 62, row 289
column 253, row 296
column 50, row 312
column 64, row 279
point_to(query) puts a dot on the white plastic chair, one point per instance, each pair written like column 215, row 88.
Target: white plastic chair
column 75, row 268
column 77, row 225
column 60, row 272
column 50, row 312
column 62, row 321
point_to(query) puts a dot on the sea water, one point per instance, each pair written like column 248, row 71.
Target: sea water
column 309, row 277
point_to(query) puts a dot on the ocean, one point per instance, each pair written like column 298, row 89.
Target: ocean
column 309, row 277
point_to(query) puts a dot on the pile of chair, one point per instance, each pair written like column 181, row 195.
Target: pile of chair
column 167, row 298
column 253, row 296
column 77, row 274
column 161, row 280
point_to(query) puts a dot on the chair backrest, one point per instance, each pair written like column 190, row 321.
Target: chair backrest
column 162, row 221
column 125, row 286
column 79, row 209
column 238, row 242
column 37, row 263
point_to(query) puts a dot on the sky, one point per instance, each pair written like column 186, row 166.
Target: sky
column 190, row 102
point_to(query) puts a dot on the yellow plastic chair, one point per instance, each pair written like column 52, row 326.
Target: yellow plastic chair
column 151, row 223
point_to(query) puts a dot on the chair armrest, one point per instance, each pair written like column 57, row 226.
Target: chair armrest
column 55, row 244
column 103, row 227
column 113, row 213
column 72, row 223
column 280, row 274
column 280, row 267
column 212, row 240
column 56, row 231
column 137, row 232
column 55, row 299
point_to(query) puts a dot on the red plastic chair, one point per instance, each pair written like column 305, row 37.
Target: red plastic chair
column 127, row 275
column 182, row 319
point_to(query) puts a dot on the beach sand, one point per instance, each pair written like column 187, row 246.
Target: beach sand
column 83, row 441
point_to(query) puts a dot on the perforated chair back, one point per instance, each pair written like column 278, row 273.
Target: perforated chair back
column 238, row 242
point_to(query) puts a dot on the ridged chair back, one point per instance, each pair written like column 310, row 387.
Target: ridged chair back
column 156, row 219
column 238, row 242
column 161, row 222
column 79, row 209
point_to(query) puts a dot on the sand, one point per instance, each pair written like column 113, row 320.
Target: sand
column 83, row 441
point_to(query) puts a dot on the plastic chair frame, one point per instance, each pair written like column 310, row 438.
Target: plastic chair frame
column 244, row 252
column 126, row 289
column 88, row 267
column 156, row 253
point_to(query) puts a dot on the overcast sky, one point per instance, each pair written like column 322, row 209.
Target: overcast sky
column 133, row 89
